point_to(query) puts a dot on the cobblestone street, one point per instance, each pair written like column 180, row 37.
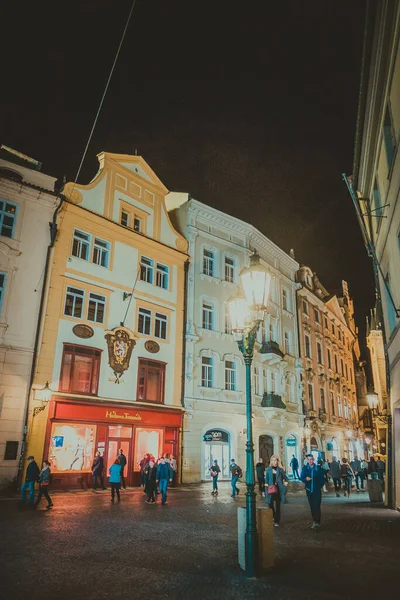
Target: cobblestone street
column 87, row 548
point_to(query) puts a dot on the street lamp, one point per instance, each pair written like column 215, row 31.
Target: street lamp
column 247, row 311
column 372, row 398
column 45, row 397
column 386, row 418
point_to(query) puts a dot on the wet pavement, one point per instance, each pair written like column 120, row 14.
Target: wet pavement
column 88, row 548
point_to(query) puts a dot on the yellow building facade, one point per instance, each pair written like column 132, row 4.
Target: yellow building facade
column 112, row 330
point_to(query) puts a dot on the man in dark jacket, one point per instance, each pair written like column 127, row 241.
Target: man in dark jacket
column 294, row 463
column 32, row 475
column 122, row 462
column 151, row 472
column 260, row 472
column 313, row 477
column 358, row 473
column 334, row 469
column 380, row 468
column 163, row 477
column 97, row 470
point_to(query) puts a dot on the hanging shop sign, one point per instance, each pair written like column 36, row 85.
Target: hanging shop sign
column 291, row 442
column 216, row 435
column 83, row 331
column 120, row 343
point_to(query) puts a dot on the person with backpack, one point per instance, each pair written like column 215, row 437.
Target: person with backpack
column 122, row 462
column 236, row 473
column 294, row 463
column 260, row 472
column 214, row 472
column 276, row 482
column 346, row 474
column 31, row 476
column 45, row 478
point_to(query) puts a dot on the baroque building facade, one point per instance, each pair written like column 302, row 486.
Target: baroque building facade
column 27, row 204
column 214, row 394
column 111, row 346
column 328, row 348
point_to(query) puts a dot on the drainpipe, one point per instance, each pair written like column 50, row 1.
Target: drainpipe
column 185, row 286
column 53, row 233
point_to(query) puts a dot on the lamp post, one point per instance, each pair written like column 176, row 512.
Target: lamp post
column 247, row 311
column 385, row 418
column 45, row 397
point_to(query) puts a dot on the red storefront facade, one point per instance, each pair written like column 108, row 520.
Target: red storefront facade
column 77, row 429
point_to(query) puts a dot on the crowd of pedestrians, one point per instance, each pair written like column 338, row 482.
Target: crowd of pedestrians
column 35, row 475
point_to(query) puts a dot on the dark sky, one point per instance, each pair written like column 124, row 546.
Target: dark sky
column 251, row 107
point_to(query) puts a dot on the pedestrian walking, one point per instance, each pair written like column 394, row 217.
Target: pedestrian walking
column 44, row 482
column 372, row 468
column 236, row 472
column 151, row 484
column 334, row 469
column 31, row 476
column 97, row 470
column 163, row 477
column 313, row 478
column 276, row 482
column 294, row 463
column 260, row 472
column 174, row 467
column 346, row 474
column 122, row 463
column 214, row 472
column 380, row 468
column 364, row 467
column 325, row 468
column 142, row 466
column 115, row 472
column 358, row 473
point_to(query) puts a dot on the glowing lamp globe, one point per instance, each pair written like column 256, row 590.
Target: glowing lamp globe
column 238, row 312
column 256, row 282
column 46, row 393
column 372, row 398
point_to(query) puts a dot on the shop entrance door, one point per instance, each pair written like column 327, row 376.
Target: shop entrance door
column 119, row 437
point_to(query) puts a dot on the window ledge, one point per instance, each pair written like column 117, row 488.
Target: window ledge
column 210, row 278
column 287, row 313
column 210, row 333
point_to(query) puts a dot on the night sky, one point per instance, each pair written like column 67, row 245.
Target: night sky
column 250, row 107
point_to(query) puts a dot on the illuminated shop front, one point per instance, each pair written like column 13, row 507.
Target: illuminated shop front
column 75, row 431
column 217, row 447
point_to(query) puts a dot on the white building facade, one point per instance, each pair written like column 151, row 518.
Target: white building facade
column 215, row 419
column 27, row 204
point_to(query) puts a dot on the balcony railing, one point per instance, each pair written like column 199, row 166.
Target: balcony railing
column 272, row 401
column 271, row 348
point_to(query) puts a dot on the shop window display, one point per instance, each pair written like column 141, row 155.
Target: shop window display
column 149, row 441
column 72, row 447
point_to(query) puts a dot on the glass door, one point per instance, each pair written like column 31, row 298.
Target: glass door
column 220, row 452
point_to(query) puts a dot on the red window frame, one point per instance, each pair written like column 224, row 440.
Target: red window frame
column 141, row 391
column 66, row 381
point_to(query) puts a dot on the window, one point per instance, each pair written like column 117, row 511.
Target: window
column 351, row 375
column 74, row 303
column 326, row 323
column 144, row 321
column 81, row 245
column 208, row 262
column 162, row 276
column 265, row 381
column 333, row 403
column 160, row 327
column 207, row 372
column 329, row 359
column 305, row 307
column 285, row 303
column 124, row 218
column 346, row 409
column 146, row 269
column 11, row 451
column 8, row 213
column 339, row 333
column 151, row 378
column 80, row 370
column 322, row 393
column 101, row 252
column 228, row 324
column 3, row 277
column 339, row 403
column 308, row 345
column 256, row 380
column 342, row 367
column 131, row 219
column 389, row 136
column 230, row 375
column 319, row 353
column 271, row 332
column 311, row 396
column 347, row 372
column 208, row 316
column 96, row 308
column 137, row 224
column 336, row 364
column 333, row 328
column 287, row 343
column 316, row 316
column 229, row 269
column 273, row 381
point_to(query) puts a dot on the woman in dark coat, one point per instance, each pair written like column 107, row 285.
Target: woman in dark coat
column 150, row 472
column 275, row 479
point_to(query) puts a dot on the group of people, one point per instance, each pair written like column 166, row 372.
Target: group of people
column 343, row 473
column 35, row 475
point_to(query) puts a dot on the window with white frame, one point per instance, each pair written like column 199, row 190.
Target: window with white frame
column 101, row 252
column 73, row 306
column 265, row 381
column 144, row 321
column 160, row 326
column 285, row 299
column 207, row 371
column 287, row 342
column 228, row 323
column 3, row 277
column 96, row 308
column 229, row 269
column 273, row 382
column 208, row 316
column 271, row 332
column 339, row 403
column 8, row 213
column 311, row 396
column 230, row 375
column 208, row 262
column 307, row 340
column 146, row 269
column 317, row 318
column 124, row 218
column 256, row 380
column 81, row 244
column 346, row 408
column 319, row 353
column 162, row 273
